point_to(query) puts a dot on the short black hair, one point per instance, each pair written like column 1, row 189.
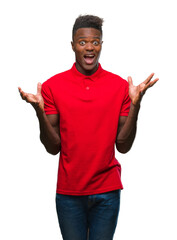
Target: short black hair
column 87, row 21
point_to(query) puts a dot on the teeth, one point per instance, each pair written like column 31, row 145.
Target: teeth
column 89, row 56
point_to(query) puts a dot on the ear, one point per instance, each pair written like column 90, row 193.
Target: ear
column 72, row 44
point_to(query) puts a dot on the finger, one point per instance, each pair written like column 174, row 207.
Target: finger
column 20, row 90
column 22, row 94
column 153, row 82
column 130, row 81
column 39, row 87
column 149, row 78
column 25, row 96
column 150, row 84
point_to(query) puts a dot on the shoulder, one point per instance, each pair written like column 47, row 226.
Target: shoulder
column 56, row 79
column 116, row 79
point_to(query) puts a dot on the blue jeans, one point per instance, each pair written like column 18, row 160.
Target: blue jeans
column 92, row 217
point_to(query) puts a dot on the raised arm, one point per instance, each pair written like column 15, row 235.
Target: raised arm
column 127, row 125
column 49, row 124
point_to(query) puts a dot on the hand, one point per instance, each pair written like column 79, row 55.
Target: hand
column 36, row 100
column 136, row 92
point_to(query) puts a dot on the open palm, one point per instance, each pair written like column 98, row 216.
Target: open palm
column 136, row 92
column 35, row 100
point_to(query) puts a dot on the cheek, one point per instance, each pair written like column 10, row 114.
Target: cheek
column 98, row 50
column 78, row 52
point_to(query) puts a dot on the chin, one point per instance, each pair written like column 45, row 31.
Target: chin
column 86, row 68
column 89, row 67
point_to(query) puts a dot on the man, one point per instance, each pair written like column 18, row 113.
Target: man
column 83, row 113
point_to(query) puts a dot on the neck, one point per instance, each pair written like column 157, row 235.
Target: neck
column 86, row 72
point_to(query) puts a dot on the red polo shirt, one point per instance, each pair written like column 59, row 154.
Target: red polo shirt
column 89, row 108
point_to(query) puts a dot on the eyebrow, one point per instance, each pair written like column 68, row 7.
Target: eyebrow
column 86, row 37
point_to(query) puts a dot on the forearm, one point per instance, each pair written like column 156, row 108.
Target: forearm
column 48, row 136
column 126, row 136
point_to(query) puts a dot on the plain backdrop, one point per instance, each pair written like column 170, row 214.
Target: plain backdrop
column 139, row 38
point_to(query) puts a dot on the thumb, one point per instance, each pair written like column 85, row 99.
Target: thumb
column 39, row 87
column 130, row 81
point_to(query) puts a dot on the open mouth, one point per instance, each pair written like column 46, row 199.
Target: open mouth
column 89, row 58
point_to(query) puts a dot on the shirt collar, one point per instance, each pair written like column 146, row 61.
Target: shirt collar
column 92, row 77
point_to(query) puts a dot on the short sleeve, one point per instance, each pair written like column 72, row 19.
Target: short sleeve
column 49, row 104
column 126, row 102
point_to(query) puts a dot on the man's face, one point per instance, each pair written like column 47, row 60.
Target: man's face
column 87, row 44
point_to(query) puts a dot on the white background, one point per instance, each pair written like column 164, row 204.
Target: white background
column 139, row 38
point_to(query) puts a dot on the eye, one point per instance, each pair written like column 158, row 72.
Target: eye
column 95, row 43
column 82, row 43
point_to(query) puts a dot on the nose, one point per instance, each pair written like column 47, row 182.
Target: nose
column 89, row 46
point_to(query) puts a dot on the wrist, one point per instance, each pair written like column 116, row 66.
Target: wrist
column 134, row 110
column 39, row 112
column 135, row 106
